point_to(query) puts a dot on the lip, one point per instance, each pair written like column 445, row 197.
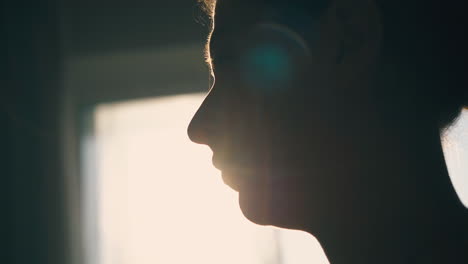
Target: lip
column 235, row 175
column 222, row 164
column 231, row 181
column 216, row 163
column 250, row 178
column 239, row 179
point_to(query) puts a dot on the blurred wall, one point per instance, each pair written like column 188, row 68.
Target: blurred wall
column 110, row 26
column 30, row 170
column 57, row 58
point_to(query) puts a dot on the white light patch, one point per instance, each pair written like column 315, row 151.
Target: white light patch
column 455, row 144
column 159, row 199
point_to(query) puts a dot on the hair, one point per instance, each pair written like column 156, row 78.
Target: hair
column 421, row 37
column 208, row 6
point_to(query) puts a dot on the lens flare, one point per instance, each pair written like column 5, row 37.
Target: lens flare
column 267, row 66
column 271, row 57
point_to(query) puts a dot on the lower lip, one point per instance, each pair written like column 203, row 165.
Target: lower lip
column 243, row 179
column 238, row 179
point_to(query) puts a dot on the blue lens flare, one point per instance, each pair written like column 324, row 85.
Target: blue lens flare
column 272, row 55
column 267, row 67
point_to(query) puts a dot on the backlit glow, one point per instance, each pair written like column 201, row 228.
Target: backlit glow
column 455, row 144
column 158, row 199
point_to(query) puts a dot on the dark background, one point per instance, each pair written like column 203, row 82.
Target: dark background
column 49, row 76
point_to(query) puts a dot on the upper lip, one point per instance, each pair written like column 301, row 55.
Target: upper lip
column 228, row 164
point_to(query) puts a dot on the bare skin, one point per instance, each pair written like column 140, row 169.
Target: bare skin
column 318, row 149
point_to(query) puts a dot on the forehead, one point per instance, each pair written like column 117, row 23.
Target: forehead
column 235, row 14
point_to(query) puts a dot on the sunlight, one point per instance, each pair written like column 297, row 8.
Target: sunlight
column 159, row 199
column 455, row 144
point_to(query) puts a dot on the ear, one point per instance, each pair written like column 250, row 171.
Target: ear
column 359, row 36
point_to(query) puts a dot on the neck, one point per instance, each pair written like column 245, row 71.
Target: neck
column 415, row 217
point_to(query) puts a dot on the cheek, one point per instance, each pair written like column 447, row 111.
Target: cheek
column 308, row 164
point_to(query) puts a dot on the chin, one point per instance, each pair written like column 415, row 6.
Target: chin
column 255, row 209
column 263, row 208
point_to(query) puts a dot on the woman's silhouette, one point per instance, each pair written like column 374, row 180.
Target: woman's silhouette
column 326, row 117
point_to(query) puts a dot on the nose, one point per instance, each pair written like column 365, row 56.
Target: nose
column 202, row 124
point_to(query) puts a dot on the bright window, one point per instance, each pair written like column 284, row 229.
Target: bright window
column 152, row 196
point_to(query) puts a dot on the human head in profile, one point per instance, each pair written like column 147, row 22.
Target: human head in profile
column 326, row 116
